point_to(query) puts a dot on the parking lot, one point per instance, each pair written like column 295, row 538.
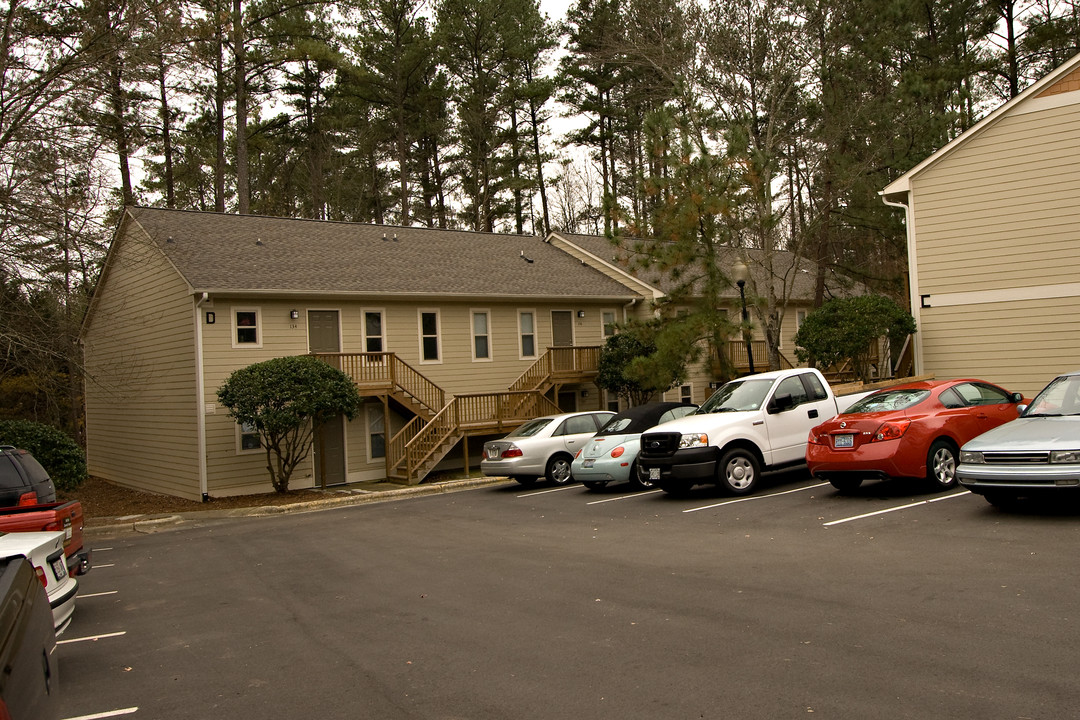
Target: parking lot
column 553, row 602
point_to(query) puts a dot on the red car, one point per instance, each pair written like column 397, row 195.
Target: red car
column 907, row 431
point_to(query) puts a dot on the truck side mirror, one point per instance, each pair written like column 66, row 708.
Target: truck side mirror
column 780, row 403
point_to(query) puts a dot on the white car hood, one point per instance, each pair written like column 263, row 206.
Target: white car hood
column 1027, row 434
column 706, row 422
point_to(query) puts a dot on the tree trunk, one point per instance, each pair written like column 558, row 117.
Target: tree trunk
column 243, row 189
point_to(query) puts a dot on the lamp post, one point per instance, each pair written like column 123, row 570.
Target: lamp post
column 740, row 271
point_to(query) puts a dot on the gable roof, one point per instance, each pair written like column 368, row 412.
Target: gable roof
column 250, row 254
column 621, row 255
column 1048, row 90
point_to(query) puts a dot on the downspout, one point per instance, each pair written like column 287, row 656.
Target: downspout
column 200, row 397
column 914, row 297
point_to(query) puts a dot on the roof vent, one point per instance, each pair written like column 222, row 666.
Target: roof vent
column 169, row 239
column 395, row 237
column 526, row 259
column 384, row 237
column 258, row 241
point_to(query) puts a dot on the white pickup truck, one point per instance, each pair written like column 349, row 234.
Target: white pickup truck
column 755, row 423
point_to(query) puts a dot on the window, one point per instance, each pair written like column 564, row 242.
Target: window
column 577, row 425
column 792, row 386
column 429, row 336
column 481, row 335
column 817, row 390
column 249, row 438
column 527, row 330
column 611, row 401
column 373, row 331
column 686, row 393
column 608, row 317
column 246, row 328
column 800, row 318
column 376, row 432
column 979, row 394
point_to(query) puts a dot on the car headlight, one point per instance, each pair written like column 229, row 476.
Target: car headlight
column 970, row 457
column 693, row 441
column 1065, row 456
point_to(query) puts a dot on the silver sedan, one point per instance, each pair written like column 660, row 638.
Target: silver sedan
column 542, row 447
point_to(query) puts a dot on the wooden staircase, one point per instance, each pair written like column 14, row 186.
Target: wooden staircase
column 438, row 425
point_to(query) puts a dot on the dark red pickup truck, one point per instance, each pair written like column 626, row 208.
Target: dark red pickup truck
column 56, row 516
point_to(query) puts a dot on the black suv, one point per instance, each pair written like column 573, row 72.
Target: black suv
column 22, row 479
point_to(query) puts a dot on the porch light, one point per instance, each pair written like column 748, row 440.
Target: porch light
column 294, row 314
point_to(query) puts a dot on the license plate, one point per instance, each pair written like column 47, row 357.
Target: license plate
column 654, row 473
column 843, row 441
column 492, row 454
column 589, row 463
column 59, row 568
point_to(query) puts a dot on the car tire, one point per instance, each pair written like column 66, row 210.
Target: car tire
column 846, row 485
column 941, row 465
column 738, row 472
column 525, row 479
column 594, row 484
column 637, row 481
column 558, row 469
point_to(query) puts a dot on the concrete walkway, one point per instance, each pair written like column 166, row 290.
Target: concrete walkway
column 346, row 495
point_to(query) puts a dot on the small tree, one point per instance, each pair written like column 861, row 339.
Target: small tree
column 635, row 368
column 286, row 399
column 844, row 328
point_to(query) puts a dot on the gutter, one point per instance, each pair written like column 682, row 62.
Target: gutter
column 200, row 398
column 914, row 298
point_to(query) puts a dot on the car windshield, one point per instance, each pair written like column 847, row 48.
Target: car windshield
column 736, row 396
column 1060, row 397
column 531, row 428
column 888, row 400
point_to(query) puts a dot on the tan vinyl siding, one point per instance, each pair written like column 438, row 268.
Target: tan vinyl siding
column 967, row 341
column 141, row 426
column 1001, row 210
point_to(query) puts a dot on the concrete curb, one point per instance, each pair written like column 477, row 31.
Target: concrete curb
column 152, row 523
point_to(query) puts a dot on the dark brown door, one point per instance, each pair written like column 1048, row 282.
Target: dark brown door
column 323, row 336
column 562, row 328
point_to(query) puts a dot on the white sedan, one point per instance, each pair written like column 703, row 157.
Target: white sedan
column 45, row 551
column 542, row 447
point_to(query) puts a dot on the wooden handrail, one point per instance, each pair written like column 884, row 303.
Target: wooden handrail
column 386, row 369
column 559, row 360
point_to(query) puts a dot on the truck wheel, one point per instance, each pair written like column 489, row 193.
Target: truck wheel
column 941, row 465
column 846, row 485
column 739, row 471
column 558, row 469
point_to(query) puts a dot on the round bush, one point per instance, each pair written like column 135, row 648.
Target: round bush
column 61, row 456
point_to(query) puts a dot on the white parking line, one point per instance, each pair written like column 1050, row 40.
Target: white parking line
column 545, row 492
column 754, row 497
column 108, row 714
column 105, row 565
column 99, row 594
column 624, row 497
column 102, row 549
column 92, row 638
column 894, row 509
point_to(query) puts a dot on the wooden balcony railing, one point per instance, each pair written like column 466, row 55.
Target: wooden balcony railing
column 560, row 363
column 386, row 372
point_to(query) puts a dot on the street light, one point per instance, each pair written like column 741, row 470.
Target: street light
column 740, row 271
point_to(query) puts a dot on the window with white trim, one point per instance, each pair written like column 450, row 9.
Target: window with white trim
column 481, row 335
column 430, row 351
column 246, row 327
column 373, row 331
column 248, row 438
column 527, row 331
column 608, row 320
column 686, row 393
column 376, row 432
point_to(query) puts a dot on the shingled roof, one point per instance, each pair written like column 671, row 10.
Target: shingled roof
column 218, row 252
column 622, row 256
